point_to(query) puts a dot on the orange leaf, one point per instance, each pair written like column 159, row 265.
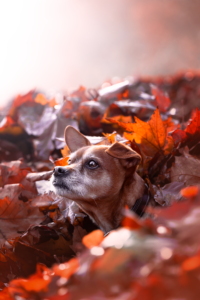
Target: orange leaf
column 40, row 98
column 190, row 192
column 19, row 100
column 191, row 263
column 65, row 151
column 126, row 126
column 5, row 295
column 110, row 137
column 66, row 269
column 62, row 161
column 53, row 102
column 170, row 126
column 152, row 136
column 116, row 119
column 93, row 239
column 35, row 284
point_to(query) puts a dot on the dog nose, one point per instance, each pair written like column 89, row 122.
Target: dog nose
column 59, row 171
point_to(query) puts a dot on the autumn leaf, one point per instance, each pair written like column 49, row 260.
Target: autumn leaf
column 62, row 161
column 162, row 100
column 15, row 215
column 93, row 239
column 8, row 126
column 194, row 125
column 67, row 269
column 19, row 100
column 186, row 169
column 110, row 137
column 120, row 118
column 130, row 220
column 179, row 135
column 40, row 98
column 190, row 192
column 65, row 151
column 151, row 136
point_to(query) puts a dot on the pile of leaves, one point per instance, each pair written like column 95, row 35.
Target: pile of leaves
column 49, row 249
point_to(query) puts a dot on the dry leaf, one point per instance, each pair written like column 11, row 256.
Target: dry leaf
column 151, row 136
column 194, row 126
column 15, row 215
column 186, row 169
column 62, row 161
column 162, row 100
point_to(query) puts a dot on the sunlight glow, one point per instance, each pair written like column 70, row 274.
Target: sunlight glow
column 97, row 251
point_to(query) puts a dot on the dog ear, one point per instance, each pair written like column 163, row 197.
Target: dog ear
column 129, row 158
column 74, row 139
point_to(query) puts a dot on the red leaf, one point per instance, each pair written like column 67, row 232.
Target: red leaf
column 130, row 221
column 179, row 136
column 194, row 125
column 163, row 102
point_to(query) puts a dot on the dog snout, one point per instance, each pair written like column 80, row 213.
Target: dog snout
column 60, row 171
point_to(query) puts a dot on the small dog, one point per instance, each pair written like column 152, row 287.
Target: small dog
column 101, row 179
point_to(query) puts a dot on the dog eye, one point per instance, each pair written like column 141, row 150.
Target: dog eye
column 92, row 164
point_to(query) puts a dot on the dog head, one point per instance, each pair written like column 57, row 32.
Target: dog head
column 95, row 175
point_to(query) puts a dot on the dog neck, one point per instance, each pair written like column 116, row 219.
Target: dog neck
column 107, row 213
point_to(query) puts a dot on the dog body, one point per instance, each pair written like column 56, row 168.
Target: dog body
column 100, row 179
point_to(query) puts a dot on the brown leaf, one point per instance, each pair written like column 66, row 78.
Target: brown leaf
column 15, row 215
column 186, row 169
column 78, row 235
column 48, row 240
column 169, row 193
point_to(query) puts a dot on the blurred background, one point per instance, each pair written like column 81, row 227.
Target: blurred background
column 57, row 45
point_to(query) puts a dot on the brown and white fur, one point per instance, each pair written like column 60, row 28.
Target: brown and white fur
column 100, row 179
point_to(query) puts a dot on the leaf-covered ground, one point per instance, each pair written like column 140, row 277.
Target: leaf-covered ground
column 49, row 249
